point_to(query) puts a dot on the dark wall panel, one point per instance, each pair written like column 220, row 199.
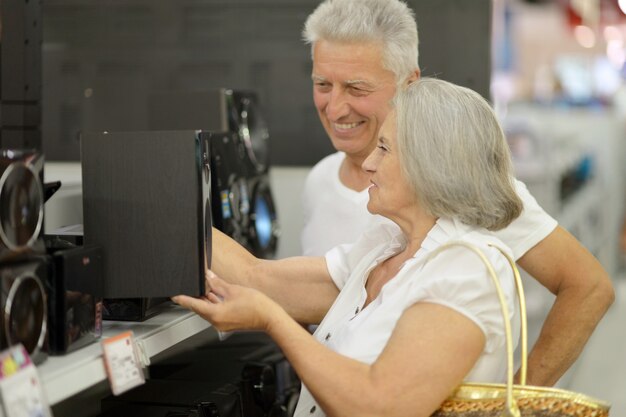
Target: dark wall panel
column 20, row 73
column 102, row 59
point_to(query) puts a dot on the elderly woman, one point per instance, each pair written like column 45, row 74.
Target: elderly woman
column 397, row 332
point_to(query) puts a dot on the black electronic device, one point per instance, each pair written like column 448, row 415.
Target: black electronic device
column 131, row 309
column 21, row 203
column 245, row 117
column 182, row 398
column 243, row 206
column 263, row 228
column 23, row 307
column 230, row 189
column 205, row 409
column 74, row 297
column 215, row 110
column 49, row 188
column 268, row 384
column 146, row 201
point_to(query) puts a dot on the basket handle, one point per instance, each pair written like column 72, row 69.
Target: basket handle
column 511, row 409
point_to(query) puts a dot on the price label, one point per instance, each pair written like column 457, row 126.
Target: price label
column 20, row 389
column 122, row 363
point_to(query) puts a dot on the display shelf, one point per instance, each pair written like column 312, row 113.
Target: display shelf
column 68, row 375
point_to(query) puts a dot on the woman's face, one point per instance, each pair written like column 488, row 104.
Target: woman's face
column 389, row 192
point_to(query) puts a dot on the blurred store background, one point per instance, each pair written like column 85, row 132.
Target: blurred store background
column 558, row 85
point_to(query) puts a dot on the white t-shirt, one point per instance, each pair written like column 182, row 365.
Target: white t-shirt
column 335, row 214
column 455, row 278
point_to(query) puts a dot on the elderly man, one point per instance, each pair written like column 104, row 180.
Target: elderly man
column 362, row 51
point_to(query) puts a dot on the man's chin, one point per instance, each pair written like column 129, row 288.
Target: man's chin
column 352, row 147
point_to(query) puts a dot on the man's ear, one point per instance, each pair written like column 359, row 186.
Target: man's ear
column 415, row 75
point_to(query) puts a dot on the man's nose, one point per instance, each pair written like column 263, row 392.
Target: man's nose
column 338, row 105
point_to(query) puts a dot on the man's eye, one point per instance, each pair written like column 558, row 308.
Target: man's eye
column 358, row 91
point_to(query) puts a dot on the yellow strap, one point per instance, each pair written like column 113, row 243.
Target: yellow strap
column 511, row 409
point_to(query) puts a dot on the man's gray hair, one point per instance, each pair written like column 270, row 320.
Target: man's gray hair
column 389, row 22
column 455, row 154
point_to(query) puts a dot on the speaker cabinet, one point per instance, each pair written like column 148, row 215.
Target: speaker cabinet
column 74, row 303
column 240, row 162
column 23, row 312
column 146, row 201
column 221, row 109
column 21, row 203
column 230, row 189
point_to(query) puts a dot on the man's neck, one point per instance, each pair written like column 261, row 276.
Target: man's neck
column 352, row 175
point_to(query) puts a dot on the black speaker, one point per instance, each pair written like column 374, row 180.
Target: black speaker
column 243, row 206
column 268, row 384
column 204, row 398
column 146, row 201
column 131, row 309
column 245, row 117
column 21, row 203
column 263, row 229
column 74, row 298
column 230, row 188
column 23, row 307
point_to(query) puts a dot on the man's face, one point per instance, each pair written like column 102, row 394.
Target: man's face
column 352, row 93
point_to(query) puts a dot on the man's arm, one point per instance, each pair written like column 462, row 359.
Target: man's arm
column 583, row 292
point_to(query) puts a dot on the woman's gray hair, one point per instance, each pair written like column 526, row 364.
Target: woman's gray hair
column 455, row 155
column 390, row 22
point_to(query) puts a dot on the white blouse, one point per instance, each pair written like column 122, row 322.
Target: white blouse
column 456, row 278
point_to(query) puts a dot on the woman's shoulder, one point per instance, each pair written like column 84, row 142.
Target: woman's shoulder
column 458, row 253
column 462, row 237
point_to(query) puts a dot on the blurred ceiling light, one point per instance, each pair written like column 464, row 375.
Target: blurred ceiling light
column 615, row 53
column 622, row 5
column 612, row 33
column 585, row 36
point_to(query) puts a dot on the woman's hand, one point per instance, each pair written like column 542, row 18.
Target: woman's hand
column 230, row 307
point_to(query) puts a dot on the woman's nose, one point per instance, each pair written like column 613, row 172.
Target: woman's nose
column 369, row 165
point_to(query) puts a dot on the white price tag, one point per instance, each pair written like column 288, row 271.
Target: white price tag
column 20, row 388
column 122, row 363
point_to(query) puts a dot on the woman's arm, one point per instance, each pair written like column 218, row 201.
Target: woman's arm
column 301, row 285
column 430, row 351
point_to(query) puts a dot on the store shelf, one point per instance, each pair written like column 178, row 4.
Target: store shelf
column 68, row 375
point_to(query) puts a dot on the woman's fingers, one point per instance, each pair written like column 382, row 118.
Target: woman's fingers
column 218, row 286
column 184, row 301
column 214, row 298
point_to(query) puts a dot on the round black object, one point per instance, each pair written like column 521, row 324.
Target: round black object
column 25, row 314
column 262, row 379
column 254, row 134
column 264, row 230
column 21, row 206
